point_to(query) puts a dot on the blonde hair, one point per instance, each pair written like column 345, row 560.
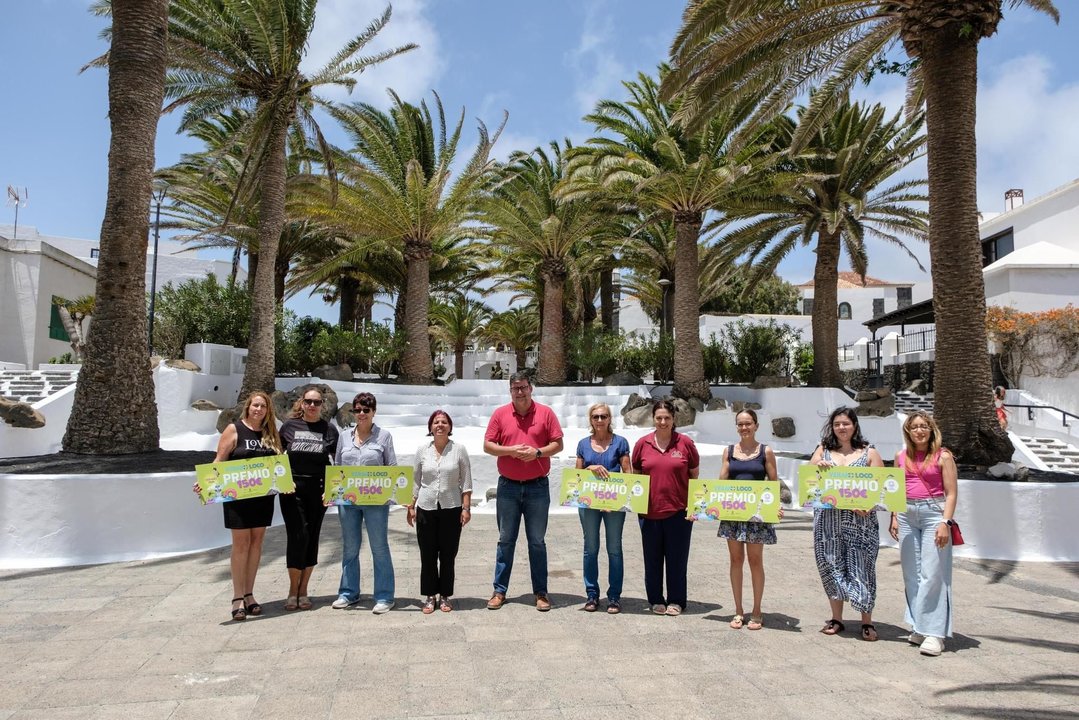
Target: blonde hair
column 596, row 406
column 270, row 438
column 936, row 441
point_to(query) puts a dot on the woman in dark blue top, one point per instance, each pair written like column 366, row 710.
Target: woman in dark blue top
column 602, row 452
column 748, row 460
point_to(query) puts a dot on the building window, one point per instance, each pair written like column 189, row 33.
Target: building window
column 95, row 252
column 878, row 307
column 844, row 311
column 996, row 247
column 903, row 296
column 56, row 325
column 807, row 306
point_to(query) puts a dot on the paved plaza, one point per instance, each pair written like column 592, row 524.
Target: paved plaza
column 152, row 640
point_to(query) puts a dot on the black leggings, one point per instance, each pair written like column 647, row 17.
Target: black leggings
column 303, row 512
column 439, row 535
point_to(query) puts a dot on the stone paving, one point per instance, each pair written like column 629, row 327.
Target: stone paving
column 152, row 640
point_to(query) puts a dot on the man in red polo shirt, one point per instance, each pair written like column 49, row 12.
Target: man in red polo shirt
column 523, row 435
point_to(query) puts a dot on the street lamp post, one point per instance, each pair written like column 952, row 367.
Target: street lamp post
column 159, row 198
column 663, row 326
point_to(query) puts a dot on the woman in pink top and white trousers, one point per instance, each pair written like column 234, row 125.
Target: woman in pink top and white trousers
column 924, row 532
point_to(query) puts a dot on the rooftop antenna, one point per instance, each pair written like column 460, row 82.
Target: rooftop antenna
column 18, row 199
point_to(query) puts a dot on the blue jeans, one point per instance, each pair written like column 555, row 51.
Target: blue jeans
column 612, row 522
column 927, row 569
column 377, row 518
column 516, row 499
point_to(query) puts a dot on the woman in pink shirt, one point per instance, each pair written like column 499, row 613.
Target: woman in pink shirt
column 923, row 532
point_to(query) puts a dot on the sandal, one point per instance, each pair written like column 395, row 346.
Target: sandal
column 304, row 602
column 591, row 605
column 755, row 622
column 239, row 613
column 444, row 605
column 736, row 622
column 291, row 603
column 254, row 608
column 429, row 605
column 833, row 627
column 869, row 632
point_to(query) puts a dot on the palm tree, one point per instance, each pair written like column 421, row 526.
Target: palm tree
column 116, row 354
column 517, row 328
column 246, row 54
column 665, row 172
column 730, row 49
column 456, row 323
column 537, row 238
column 397, row 192
column 832, row 197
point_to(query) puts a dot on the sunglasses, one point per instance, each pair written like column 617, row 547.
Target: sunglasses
column 362, row 409
column 316, row 403
column 600, row 417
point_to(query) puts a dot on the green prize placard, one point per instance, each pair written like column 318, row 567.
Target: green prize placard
column 241, row 479
column 620, row 492
column 368, row 485
column 852, row 488
column 756, row 500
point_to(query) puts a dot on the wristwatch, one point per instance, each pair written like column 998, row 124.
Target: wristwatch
column 539, row 453
column 949, row 523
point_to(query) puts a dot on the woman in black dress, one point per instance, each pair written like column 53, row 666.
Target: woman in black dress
column 253, row 435
column 310, row 443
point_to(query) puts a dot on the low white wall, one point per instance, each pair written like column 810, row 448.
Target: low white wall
column 1014, row 521
column 26, row 442
column 61, row 520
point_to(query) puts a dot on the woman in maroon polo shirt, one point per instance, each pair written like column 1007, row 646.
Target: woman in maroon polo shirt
column 669, row 459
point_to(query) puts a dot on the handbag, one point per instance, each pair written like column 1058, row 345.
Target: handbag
column 957, row 535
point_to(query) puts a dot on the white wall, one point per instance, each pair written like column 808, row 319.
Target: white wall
column 1032, row 289
column 27, row 442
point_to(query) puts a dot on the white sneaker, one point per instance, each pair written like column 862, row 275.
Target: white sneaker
column 915, row 639
column 932, row 646
column 342, row 602
column 383, row 607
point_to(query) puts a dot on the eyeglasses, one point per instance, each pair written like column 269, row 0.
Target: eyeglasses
column 362, row 409
column 918, row 427
column 316, row 403
column 520, row 388
column 600, row 417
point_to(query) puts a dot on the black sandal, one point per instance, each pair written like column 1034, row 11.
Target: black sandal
column 833, row 627
column 254, row 608
column 239, row 613
column 869, row 628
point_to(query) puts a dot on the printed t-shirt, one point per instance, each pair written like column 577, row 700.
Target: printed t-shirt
column 668, row 473
column 537, row 427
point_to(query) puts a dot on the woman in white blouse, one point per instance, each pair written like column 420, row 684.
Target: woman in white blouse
column 441, row 507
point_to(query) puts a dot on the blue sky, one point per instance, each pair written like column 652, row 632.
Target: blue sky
column 545, row 63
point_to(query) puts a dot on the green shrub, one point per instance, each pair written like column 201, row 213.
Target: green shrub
column 200, row 311
column 594, row 352
column 758, row 349
column 716, row 359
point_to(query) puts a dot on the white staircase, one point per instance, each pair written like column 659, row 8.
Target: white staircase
column 1057, row 455
column 908, row 402
column 31, row 386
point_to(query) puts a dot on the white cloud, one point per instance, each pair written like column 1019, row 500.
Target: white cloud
column 412, row 75
column 1028, row 136
column 596, row 69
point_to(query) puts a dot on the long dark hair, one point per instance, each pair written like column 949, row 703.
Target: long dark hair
column 829, row 441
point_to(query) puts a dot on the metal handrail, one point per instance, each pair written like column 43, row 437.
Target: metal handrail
column 1031, row 408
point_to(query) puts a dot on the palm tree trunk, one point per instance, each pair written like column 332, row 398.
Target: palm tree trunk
column 416, row 364
column 551, row 368
column 259, row 374
column 347, row 308
column 459, row 360
column 825, row 312
column 281, row 268
column 606, row 299
column 689, row 379
column 962, row 379
column 117, row 358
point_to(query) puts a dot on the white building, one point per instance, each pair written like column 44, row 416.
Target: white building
column 31, row 274
column 859, row 300
column 36, row 267
column 1031, row 251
